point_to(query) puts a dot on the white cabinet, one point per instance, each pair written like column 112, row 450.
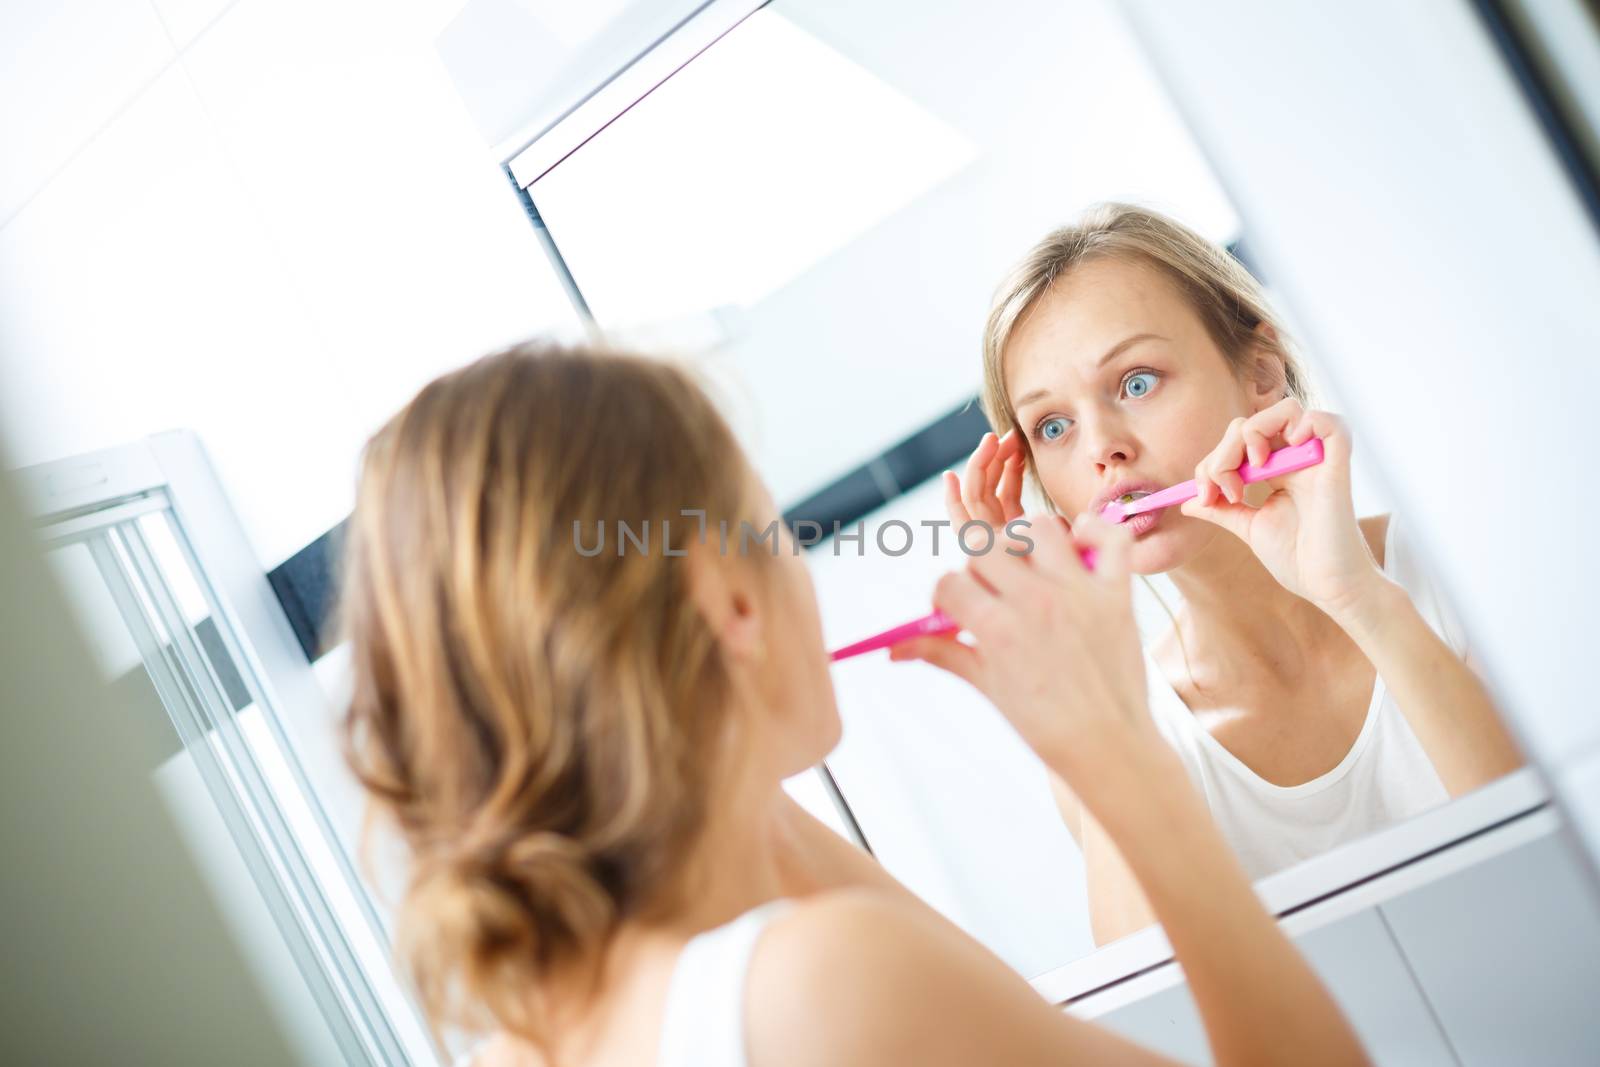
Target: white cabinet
column 1508, row 954
column 1493, row 962
column 1357, row 959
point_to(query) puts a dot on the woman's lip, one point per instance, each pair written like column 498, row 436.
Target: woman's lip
column 1145, row 490
column 1143, row 523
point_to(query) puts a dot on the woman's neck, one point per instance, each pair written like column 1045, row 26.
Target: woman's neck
column 735, row 866
column 1238, row 622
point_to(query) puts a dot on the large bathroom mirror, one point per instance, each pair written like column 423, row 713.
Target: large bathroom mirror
column 818, row 200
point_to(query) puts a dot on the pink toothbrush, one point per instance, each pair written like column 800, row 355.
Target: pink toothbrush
column 936, row 622
column 1283, row 461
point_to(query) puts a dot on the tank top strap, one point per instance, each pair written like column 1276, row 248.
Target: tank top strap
column 703, row 1019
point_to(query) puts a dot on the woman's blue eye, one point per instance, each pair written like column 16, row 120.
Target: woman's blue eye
column 1052, row 428
column 1136, row 387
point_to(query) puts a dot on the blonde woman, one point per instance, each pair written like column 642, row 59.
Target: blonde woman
column 583, row 745
column 1313, row 684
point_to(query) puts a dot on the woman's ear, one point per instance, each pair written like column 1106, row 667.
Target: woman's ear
column 1266, row 376
column 722, row 593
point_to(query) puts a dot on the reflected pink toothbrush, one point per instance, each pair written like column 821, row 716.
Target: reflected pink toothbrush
column 1283, row 461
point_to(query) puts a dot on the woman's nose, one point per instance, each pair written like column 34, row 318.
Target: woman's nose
column 1111, row 447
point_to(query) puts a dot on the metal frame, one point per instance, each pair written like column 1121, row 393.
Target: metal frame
column 538, row 152
column 99, row 500
column 1518, row 43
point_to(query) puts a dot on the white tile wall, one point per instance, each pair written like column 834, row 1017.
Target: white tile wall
column 400, row 234
column 66, row 67
column 1438, row 258
column 274, row 241
column 185, row 19
column 138, row 293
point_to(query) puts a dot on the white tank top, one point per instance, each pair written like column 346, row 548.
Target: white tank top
column 703, row 1017
column 703, row 1020
column 1384, row 778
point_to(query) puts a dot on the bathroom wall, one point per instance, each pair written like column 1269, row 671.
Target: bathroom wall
column 265, row 220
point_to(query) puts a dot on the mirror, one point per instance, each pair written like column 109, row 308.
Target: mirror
column 820, row 204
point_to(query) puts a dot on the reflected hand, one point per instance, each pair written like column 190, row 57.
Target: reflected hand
column 1305, row 533
column 991, row 492
column 1057, row 650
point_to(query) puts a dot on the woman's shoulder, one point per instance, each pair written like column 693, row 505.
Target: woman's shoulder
column 827, row 956
column 808, row 938
column 895, row 981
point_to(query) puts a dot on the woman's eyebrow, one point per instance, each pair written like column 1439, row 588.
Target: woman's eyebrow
column 1116, row 350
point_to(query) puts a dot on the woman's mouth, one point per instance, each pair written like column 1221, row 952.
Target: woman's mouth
column 1143, row 523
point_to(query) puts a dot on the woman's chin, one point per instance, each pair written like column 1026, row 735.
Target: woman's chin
column 1160, row 550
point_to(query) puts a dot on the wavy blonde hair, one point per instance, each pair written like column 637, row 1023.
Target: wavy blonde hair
column 538, row 723
column 1228, row 300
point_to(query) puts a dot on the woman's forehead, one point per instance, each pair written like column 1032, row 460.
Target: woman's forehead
column 1086, row 314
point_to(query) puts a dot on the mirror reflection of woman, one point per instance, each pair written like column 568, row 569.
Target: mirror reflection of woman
column 585, row 756
column 1312, row 681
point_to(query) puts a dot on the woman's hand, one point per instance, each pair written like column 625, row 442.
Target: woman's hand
column 1306, row 532
column 1057, row 649
column 991, row 492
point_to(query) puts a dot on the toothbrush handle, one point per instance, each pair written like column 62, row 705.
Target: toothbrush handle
column 1283, row 461
column 935, row 622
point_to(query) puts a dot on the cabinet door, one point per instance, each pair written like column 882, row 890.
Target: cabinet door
column 1368, row 976
column 1508, row 954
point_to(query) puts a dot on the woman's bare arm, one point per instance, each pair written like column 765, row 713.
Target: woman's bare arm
column 1056, row 649
column 1445, row 703
column 1117, row 905
column 897, row 986
column 1240, row 966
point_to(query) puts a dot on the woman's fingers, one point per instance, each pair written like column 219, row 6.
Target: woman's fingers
column 960, row 595
column 1010, row 488
column 1235, row 518
column 953, row 504
column 1219, row 471
column 982, row 494
column 1252, row 440
column 1257, row 445
column 1053, row 551
column 1112, row 543
column 975, row 485
column 1008, row 573
column 1333, row 430
column 1278, row 417
column 944, row 652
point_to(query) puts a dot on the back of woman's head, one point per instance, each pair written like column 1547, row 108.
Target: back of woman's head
column 537, row 720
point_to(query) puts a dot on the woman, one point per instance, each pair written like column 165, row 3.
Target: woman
column 1303, row 682
column 584, row 747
